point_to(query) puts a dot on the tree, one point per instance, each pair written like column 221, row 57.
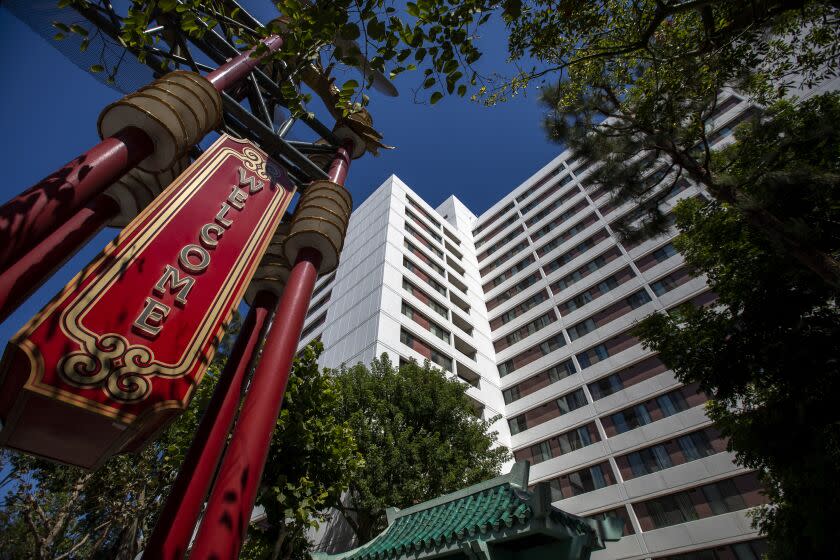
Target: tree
column 643, row 83
column 767, row 353
column 419, row 436
column 312, row 459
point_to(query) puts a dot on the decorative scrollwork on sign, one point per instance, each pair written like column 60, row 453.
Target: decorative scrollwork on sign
column 254, row 161
column 109, row 366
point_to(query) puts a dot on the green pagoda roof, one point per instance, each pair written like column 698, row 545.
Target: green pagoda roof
column 495, row 519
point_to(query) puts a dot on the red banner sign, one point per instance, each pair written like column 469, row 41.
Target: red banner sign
column 119, row 352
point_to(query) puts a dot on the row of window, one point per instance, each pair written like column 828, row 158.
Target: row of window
column 597, row 320
column 426, row 323
column 552, row 206
column 667, row 454
column 509, row 273
column 525, row 330
column 651, row 410
column 747, row 550
column 545, row 179
column 424, row 297
column 717, row 498
column 544, row 196
column 659, row 287
column 492, row 219
column 435, row 356
column 515, row 232
column 568, row 234
column 416, row 205
column 536, row 382
column 432, row 233
column 557, row 221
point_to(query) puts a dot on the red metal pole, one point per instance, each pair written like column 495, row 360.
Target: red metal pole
column 177, row 521
column 231, row 502
column 239, row 66
column 32, row 215
column 27, row 274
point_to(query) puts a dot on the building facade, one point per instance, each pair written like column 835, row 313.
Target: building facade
column 532, row 304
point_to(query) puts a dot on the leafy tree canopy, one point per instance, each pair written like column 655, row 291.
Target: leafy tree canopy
column 767, row 354
column 419, row 436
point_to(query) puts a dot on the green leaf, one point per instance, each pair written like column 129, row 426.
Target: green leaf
column 96, row 68
column 436, row 96
column 83, row 46
column 429, row 82
column 61, row 27
column 350, row 85
column 59, row 36
column 350, row 31
column 462, row 90
column 412, row 9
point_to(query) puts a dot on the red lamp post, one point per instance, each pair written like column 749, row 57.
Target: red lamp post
column 232, row 500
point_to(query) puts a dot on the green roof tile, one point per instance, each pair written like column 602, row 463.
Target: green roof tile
column 493, row 509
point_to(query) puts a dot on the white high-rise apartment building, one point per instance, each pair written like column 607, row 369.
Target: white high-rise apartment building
column 532, row 304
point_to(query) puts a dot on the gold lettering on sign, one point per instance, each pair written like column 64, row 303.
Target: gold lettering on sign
column 206, row 239
column 187, row 264
column 194, row 258
column 244, row 179
column 151, row 319
column 237, row 198
column 173, row 278
column 220, row 217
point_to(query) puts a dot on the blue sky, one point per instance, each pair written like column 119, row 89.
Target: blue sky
column 50, row 107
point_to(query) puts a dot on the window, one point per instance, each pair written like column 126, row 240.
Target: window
column 581, row 329
column 422, row 296
column 552, row 344
column 638, row 299
column 663, row 253
column 571, row 401
column 505, row 368
column 575, row 439
column 541, row 452
column 618, row 513
column 649, row 460
column 668, row 283
column 517, row 425
column 511, row 394
column 606, row 386
column 696, row 446
column 588, row 480
column 440, row 359
column 530, row 328
column 593, row 356
column 561, row 371
column 671, row 510
column 671, row 403
column 723, row 497
column 631, row 418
